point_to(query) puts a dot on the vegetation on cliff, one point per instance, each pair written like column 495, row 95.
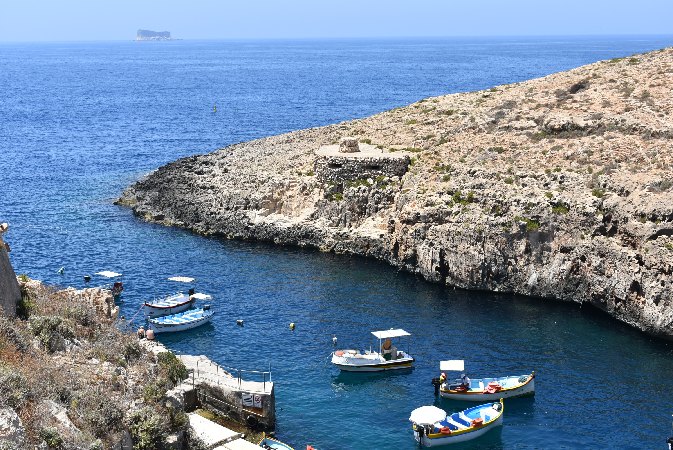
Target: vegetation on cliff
column 71, row 379
column 558, row 187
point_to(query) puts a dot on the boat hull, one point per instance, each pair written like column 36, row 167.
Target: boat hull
column 273, row 444
column 371, row 362
column 425, row 441
column 171, row 305
column 163, row 327
column 520, row 390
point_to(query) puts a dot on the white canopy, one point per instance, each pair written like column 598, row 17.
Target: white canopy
column 390, row 333
column 457, row 365
column 427, row 415
column 108, row 274
column 200, row 296
column 182, row 279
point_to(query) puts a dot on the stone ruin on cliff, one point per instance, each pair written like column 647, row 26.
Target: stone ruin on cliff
column 352, row 160
column 10, row 293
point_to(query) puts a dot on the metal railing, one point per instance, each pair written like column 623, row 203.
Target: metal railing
column 237, row 374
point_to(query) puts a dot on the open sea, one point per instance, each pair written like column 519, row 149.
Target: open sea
column 80, row 121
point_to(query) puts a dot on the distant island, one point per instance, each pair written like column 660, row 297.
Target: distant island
column 148, row 35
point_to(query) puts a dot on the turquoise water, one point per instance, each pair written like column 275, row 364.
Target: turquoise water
column 79, row 121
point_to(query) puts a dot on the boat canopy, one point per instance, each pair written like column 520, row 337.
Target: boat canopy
column 108, row 274
column 427, row 415
column 457, row 365
column 182, row 279
column 390, row 333
column 201, row 296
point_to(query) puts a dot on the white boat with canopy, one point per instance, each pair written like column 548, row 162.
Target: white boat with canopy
column 387, row 356
column 481, row 389
column 434, row 427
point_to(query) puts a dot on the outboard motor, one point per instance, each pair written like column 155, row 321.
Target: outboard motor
column 436, row 382
column 191, row 292
column 670, row 443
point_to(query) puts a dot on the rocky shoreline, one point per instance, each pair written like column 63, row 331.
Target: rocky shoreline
column 558, row 188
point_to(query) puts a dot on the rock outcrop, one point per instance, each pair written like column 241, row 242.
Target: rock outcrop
column 557, row 188
column 10, row 294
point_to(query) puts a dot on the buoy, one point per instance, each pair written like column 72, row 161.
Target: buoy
column 61, row 270
column 334, row 340
column 87, row 278
column 149, row 334
column 239, row 322
column 291, row 326
column 214, row 108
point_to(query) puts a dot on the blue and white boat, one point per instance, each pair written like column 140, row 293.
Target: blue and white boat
column 482, row 389
column 433, row 427
column 166, row 306
column 186, row 320
column 273, row 444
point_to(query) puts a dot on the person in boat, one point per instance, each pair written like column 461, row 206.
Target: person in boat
column 465, row 382
column 387, row 349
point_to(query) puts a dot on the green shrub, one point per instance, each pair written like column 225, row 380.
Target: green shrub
column 171, row 367
column 411, row 122
column 366, row 141
column 51, row 331
column 147, row 429
column 51, row 437
column 531, row 224
column 560, row 209
column 154, row 392
column 548, row 194
column 14, row 388
column 132, row 351
column 101, row 411
column 596, row 192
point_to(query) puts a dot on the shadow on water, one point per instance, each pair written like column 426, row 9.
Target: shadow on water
column 355, row 379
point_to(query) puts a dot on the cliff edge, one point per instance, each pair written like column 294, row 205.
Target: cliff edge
column 10, row 293
column 558, row 188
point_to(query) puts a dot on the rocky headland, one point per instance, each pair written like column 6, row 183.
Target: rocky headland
column 557, row 188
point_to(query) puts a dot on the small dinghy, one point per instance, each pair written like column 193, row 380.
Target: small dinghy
column 273, row 444
column 388, row 357
column 187, row 320
column 482, row 389
column 433, row 427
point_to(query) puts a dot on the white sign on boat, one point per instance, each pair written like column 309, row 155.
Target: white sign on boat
column 427, row 415
column 182, row 279
column 385, row 334
column 457, row 365
column 201, row 296
column 108, row 274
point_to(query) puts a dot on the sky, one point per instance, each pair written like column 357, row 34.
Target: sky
column 96, row 20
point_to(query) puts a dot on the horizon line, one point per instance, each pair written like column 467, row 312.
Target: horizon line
column 344, row 38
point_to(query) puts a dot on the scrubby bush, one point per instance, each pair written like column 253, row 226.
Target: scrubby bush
column 147, row 429
column 102, row 413
column 14, row 388
column 51, row 437
column 171, row 367
column 9, row 334
column 51, row 331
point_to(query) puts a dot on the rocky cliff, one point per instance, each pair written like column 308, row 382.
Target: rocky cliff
column 10, row 293
column 558, row 188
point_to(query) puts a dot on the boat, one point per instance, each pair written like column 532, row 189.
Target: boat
column 434, row 427
column 388, row 357
column 670, row 441
column 172, row 304
column 186, row 320
column 273, row 444
column 117, row 287
column 482, row 389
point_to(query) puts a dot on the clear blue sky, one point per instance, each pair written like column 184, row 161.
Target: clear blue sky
column 67, row 20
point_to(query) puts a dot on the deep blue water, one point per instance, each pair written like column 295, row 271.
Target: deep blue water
column 79, row 121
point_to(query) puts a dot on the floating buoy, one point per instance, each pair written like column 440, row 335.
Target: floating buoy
column 87, row 278
column 239, row 322
column 61, row 270
column 214, row 108
column 334, row 340
column 291, row 326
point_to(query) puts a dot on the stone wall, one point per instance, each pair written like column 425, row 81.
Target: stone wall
column 345, row 168
column 10, row 294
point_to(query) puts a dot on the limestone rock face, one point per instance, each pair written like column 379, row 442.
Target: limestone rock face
column 12, row 433
column 349, row 145
column 10, row 293
column 558, row 188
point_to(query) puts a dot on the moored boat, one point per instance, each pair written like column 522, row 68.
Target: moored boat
column 186, row 320
column 388, row 357
column 273, row 444
column 433, row 427
column 482, row 389
column 172, row 304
